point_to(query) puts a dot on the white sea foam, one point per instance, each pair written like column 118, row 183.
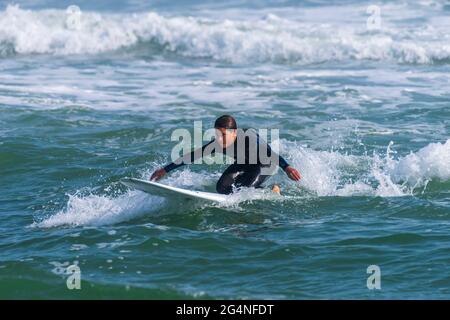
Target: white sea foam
column 102, row 210
column 324, row 173
column 330, row 173
column 430, row 163
column 264, row 39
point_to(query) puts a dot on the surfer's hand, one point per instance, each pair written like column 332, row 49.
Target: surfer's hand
column 158, row 174
column 293, row 173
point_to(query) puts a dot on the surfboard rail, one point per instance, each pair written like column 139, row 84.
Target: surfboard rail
column 159, row 189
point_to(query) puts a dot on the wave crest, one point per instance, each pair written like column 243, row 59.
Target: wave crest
column 268, row 39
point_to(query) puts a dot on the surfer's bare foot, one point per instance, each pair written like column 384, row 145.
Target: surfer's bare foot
column 276, row 189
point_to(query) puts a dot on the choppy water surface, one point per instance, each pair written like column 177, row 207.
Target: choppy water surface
column 363, row 114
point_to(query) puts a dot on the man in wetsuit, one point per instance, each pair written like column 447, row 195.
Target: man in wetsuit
column 254, row 161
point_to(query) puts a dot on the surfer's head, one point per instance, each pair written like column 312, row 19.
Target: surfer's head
column 226, row 130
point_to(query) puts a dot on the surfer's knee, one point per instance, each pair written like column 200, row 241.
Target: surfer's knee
column 224, row 188
column 226, row 181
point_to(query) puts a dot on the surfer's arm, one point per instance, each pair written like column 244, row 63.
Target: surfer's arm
column 282, row 163
column 291, row 172
column 189, row 157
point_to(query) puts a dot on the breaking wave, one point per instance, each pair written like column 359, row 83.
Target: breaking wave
column 267, row 39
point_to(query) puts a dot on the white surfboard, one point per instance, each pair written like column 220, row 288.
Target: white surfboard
column 159, row 189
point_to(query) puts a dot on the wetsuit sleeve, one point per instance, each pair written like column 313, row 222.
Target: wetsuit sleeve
column 192, row 156
column 282, row 163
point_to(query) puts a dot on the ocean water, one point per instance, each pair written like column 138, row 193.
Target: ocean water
column 91, row 96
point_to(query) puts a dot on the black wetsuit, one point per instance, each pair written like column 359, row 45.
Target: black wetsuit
column 251, row 154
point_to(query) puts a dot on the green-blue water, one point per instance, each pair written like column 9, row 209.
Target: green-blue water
column 364, row 115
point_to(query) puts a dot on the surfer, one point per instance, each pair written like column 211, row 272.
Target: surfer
column 250, row 167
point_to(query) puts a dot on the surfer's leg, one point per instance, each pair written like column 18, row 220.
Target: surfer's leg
column 240, row 176
column 252, row 177
column 229, row 177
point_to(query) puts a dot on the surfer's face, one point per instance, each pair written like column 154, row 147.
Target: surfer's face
column 225, row 137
